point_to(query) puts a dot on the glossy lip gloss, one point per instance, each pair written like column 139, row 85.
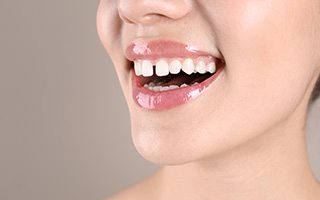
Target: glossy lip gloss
column 161, row 100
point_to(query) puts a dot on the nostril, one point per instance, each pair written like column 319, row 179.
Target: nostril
column 152, row 11
column 152, row 18
column 125, row 19
column 146, row 19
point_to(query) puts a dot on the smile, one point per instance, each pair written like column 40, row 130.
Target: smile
column 166, row 74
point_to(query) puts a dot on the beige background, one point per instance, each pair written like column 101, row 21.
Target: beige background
column 64, row 124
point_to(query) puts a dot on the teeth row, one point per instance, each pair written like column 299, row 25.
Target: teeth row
column 155, row 88
column 163, row 67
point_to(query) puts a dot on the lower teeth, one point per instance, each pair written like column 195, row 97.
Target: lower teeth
column 151, row 86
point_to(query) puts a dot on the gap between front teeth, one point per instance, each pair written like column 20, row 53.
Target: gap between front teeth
column 164, row 67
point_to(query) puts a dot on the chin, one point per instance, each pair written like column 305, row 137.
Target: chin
column 164, row 155
column 171, row 146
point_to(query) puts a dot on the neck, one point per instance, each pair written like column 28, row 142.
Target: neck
column 273, row 166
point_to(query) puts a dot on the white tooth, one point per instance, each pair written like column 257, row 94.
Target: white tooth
column 147, row 68
column 173, row 86
column 184, row 85
column 146, row 85
column 164, row 88
column 156, row 88
column 211, row 67
column 201, row 67
column 175, row 67
column 188, row 66
column 162, row 68
column 152, row 84
column 159, row 83
column 137, row 67
column 195, row 83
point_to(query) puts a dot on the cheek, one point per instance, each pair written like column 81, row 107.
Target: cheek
column 108, row 24
column 269, row 64
column 109, row 31
column 268, row 52
column 268, row 49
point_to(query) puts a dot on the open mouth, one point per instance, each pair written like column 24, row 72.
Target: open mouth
column 168, row 74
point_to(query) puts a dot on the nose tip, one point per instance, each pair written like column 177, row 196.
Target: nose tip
column 151, row 11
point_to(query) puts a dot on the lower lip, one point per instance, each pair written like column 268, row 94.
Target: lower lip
column 163, row 100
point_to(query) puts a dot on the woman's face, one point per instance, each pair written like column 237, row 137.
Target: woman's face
column 270, row 52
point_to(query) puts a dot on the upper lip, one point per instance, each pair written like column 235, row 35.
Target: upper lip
column 162, row 48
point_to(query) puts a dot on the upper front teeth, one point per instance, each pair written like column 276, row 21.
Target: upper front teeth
column 146, row 68
column 163, row 67
column 175, row 66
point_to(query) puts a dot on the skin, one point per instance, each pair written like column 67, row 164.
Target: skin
column 244, row 137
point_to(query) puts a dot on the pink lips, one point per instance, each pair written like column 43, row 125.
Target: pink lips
column 155, row 49
column 152, row 50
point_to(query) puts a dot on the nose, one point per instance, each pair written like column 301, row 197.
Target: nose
column 151, row 11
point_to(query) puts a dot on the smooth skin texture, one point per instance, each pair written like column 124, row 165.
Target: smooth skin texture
column 244, row 138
